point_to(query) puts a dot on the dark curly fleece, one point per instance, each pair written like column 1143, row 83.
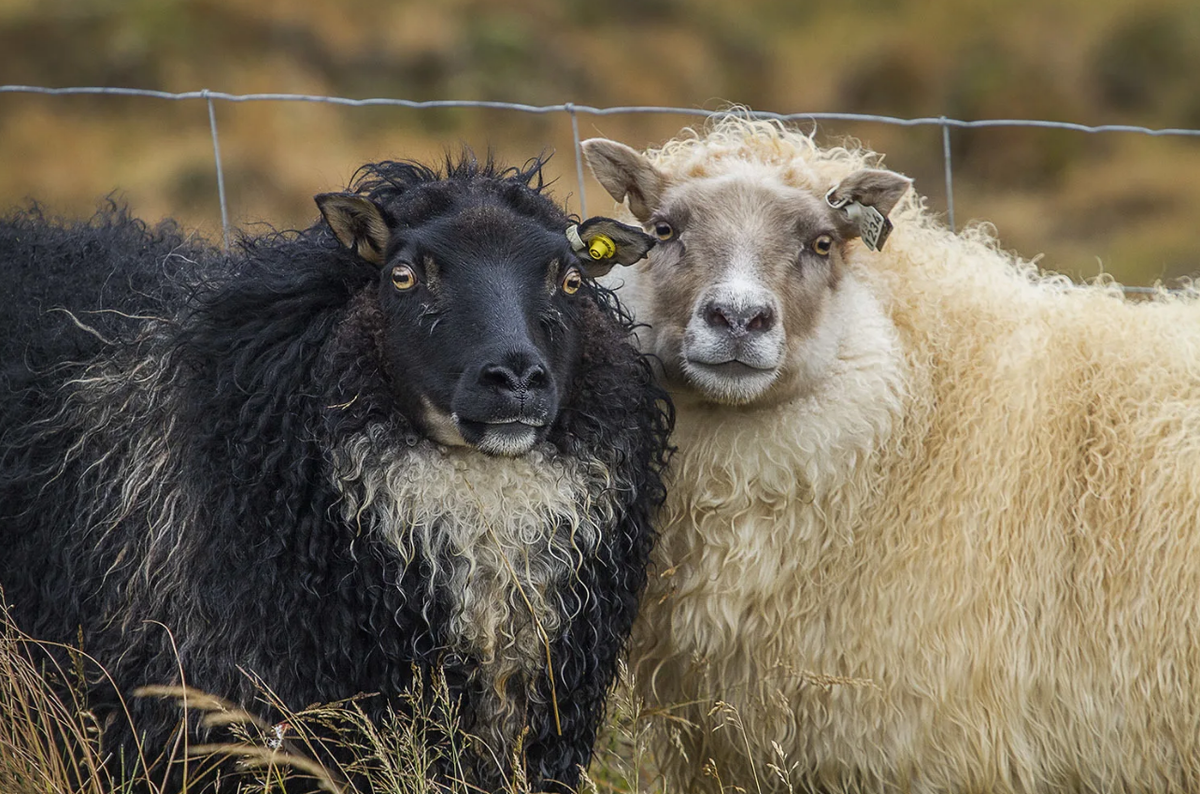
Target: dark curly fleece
column 166, row 496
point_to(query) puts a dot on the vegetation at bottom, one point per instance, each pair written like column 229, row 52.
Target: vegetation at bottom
column 51, row 742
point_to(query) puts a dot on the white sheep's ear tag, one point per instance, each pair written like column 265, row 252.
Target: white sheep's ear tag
column 872, row 225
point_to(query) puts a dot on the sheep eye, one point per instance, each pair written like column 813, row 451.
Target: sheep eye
column 663, row 230
column 403, row 278
column 572, row 281
column 823, row 245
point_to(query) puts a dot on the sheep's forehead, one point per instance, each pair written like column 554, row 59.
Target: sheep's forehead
column 486, row 235
column 487, row 222
column 750, row 209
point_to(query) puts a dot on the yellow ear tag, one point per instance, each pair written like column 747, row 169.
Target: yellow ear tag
column 601, row 247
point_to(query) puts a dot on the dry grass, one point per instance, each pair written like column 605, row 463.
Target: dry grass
column 626, row 764
column 48, row 743
column 50, row 740
column 623, row 764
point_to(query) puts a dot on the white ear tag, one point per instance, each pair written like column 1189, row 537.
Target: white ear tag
column 576, row 242
column 873, row 226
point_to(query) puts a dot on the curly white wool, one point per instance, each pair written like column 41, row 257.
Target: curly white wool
column 967, row 560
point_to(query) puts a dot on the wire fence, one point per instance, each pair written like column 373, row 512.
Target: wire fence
column 574, row 111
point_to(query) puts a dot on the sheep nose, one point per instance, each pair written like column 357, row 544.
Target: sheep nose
column 518, row 377
column 739, row 320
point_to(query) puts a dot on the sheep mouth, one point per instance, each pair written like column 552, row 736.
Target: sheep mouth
column 529, row 421
column 508, row 437
column 732, row 382
column 732, row 368
column 723, row 356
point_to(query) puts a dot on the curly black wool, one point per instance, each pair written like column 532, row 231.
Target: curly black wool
column 215, row 464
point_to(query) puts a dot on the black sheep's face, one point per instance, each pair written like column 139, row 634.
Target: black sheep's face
column 482, row 314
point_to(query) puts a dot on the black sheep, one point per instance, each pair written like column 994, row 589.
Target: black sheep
column 413, row 438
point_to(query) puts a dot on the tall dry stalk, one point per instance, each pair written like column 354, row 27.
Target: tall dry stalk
column 48, row 743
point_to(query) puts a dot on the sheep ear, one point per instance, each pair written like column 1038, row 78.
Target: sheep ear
column 602, row 243
column 357, row 222
column 625, row 172
column 862, row 202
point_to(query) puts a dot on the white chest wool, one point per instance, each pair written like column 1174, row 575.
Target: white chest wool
column 500, row 537
column 758, row 502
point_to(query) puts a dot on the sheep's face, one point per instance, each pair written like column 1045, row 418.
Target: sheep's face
column 480, row 306
column 742, row 275
column 737, row 290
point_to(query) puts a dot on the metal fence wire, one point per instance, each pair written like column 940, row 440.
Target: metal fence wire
column 573, row 111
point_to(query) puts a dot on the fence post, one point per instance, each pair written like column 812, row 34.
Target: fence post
column 949, row 171
column 212, row 125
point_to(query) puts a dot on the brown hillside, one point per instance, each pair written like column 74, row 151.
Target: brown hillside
column 1119, row 202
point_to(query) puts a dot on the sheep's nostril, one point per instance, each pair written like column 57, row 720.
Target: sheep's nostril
column 761, row 321
column 536, row 377
column 715, row 316
column 740, row 319
column 498, row 377
column 529, row 377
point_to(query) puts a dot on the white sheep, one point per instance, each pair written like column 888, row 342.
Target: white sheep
column 934, row 519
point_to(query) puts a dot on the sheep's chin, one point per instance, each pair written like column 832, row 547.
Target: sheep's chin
column 507, row 440
column 731, row 383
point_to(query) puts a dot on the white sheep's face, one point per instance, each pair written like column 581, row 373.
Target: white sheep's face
column 738, row 283
column 736, row 291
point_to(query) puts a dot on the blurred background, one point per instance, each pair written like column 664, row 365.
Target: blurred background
column 1119, row 203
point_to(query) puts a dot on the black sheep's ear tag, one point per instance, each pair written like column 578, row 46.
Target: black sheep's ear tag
column 357, row 222
column 865, row 198
column 602, row 243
